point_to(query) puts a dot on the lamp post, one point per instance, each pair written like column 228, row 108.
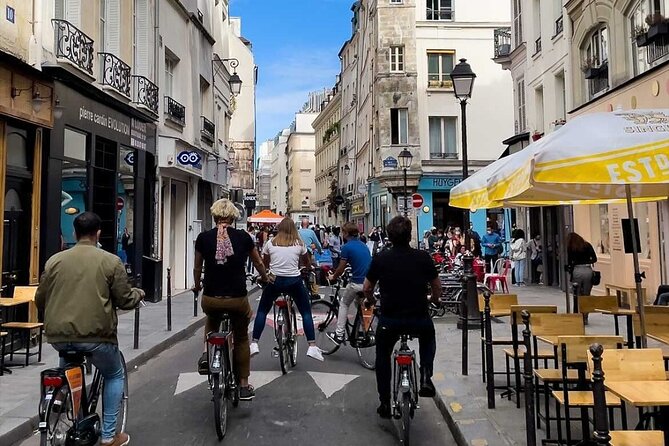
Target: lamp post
column 235, row 81
column 404, row 159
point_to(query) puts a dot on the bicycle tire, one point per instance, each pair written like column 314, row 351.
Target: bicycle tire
column 367, row 354
column 220, row 407
column 122, row 420
column 292, row 338
column 281, row 347
column 324, row 314
column 46, row 436
column 406, row 418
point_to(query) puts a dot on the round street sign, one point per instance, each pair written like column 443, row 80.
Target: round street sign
column 120, row 203
column 339, row 200
column 417, row 200
column 362, row 188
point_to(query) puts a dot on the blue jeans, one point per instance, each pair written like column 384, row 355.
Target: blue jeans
column 519, row 271
column 107, row 359
column 294, row 287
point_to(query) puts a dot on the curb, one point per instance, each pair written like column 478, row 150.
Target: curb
column 453, row 426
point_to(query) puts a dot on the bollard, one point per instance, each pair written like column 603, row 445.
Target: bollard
column 169, row 299
column 527, row 373
column 601, row 434
column 490, row 378
column 464, row 325
column 468, row 304
column 575, row 292
column 195, row 293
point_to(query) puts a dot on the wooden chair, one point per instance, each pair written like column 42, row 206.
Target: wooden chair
column 588, row 304
column 656, row 322
column 602, row 434
column 500, row 305
column 26, row 329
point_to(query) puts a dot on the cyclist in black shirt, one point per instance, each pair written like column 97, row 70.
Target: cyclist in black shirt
column 403, row 275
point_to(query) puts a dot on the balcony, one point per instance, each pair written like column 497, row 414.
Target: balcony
column 207, row 130
column 115, row 74
column 502, row 41
column 443, row 156
column 145, row 93
column 658, row 50
column 559, row 27
column 71, row 45
column 537, row 46
column 175, row 112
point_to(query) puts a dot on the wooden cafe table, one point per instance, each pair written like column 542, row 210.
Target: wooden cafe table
column 642, row 394
column 7, row 304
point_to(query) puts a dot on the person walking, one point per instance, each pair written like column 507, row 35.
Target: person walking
column 80, row 290
column 224, row 251
column 283, row 254
column 535, row 258
column 519, row 256
column 491, row 244
column 580, row 258
column 335, row 246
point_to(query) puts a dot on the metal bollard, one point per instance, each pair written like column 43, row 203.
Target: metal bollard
column 601, row 434
column 464, row 325
column 527, row 373
column 575, row 292
column 135, row 343
column 490, row 379
column 195, row 293
column 169, row 299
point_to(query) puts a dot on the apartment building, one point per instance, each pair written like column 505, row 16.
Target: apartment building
column 279, row 179
column 327, row 130
column 263, row 184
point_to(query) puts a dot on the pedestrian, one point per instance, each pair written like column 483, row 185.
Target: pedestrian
column 309, row 238
column 335, row 246
column 535, row 258
column 284, row 254
column 79, row 292
column 252, row 233
column 580, row 258
column 519, row 256
column 432, row 240
column 224, row 252
column 425, row 245
column 491, row 244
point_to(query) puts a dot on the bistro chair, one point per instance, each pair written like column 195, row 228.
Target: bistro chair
column 25, row 329
column 500, row 306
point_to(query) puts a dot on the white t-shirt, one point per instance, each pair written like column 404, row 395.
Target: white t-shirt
column 284, row 260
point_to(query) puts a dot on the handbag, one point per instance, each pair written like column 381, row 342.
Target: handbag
column 596, row 277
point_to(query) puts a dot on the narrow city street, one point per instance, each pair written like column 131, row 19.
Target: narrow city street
column 329, row 403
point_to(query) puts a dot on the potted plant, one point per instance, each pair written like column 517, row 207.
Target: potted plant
column 640, row 34
column 590, row 68
column 658, row 26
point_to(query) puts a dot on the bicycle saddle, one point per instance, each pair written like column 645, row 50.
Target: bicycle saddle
column 74, row 356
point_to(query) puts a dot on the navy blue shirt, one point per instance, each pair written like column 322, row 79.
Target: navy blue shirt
column 357, row 255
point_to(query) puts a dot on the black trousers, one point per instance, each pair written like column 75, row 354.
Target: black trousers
column 387, row 334
column 490, row 260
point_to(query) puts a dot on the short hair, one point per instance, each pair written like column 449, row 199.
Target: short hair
column 350, row 229
column 399, row 231
column 224, row 209
column 87, row 223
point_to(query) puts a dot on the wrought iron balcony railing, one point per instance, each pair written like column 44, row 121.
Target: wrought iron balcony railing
column 502, row 41
column 175, row 111
column 443, row 156
column 559, row 26
column 145, row 93
column 115, row 73
column 658, row 49
column 71, row 44
column 207, row 130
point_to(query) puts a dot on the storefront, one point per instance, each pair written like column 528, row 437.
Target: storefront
column 358, row 213
column 381, row 205
column 25, row 119
column 101, row 158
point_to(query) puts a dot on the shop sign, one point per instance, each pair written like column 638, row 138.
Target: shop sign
column 130, row 158
column 390, row 163
column 439, row 183
column 358, row 208
column 190, row 158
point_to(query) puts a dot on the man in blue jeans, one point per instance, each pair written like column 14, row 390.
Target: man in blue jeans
column 79, row 291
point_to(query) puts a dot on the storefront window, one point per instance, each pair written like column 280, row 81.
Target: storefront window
column 73, row 198
column 74, row 145
column 641, row 214
column 125, row 205
column 599, row 229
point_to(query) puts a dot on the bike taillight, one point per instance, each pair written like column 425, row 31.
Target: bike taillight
column 281, row 303
column 52, row 381
column 403, row 359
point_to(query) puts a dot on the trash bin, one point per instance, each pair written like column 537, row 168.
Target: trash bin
column 152, row 278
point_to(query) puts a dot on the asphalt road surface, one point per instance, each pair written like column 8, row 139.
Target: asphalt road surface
column 330, row 403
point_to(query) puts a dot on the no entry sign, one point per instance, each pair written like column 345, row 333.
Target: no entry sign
column 417, row 200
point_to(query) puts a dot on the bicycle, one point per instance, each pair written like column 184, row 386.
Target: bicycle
column 405, row 387
column 451, row 296
column 220, row 374
column 285, row 331
column 360, row 334
column 68, row 408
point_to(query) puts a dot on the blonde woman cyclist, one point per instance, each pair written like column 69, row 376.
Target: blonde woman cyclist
column 283, row 255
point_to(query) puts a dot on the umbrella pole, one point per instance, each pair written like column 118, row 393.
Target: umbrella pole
column 637, row 273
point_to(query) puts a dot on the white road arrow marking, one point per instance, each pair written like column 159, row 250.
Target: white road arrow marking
column 331, row 383
column 259, row 379
column 187, row 381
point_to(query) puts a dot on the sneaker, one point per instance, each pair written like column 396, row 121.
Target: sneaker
column 254, row 349
column 247, row 393
column 427, row 389
column 384, row 411
column 121, row 439
column 336, row 337
column 203, row 364
column 315, row 353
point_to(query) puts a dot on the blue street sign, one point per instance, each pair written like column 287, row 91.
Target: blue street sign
column 390, row 163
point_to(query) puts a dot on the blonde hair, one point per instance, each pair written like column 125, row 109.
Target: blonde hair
column 224, row 210
column 287, row 234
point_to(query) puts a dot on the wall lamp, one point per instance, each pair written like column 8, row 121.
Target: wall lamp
column 235, row 81
column 38, row 100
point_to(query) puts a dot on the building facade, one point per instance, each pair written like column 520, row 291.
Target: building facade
column 263, row 184
column 301, row 165
column 279, row 179
column 327, row 129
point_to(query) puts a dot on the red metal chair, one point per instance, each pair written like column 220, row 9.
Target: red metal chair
column 492, row 280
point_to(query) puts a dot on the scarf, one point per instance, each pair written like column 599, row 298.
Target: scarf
column 223, row 245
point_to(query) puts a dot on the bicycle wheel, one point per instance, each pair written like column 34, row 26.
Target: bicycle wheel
column 281, row 346
column 292, row 338
column 122, row 420
column 406, row 418
column 367, row 349
column 325, row 321
column 220, row 406
column 58, row 418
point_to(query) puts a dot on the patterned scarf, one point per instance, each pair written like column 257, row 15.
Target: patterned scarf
column 223, row 245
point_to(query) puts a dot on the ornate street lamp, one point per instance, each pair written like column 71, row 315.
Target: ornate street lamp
column 347, row 169
column 404, row 158
column 235, row 81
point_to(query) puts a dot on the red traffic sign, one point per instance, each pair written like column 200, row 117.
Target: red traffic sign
column 417, row 200
column 119, row 204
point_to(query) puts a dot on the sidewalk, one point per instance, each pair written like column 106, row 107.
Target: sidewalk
column 462, row 399
column 19, row 392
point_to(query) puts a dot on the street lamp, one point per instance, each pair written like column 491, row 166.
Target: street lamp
column 404, row 159
column 235, row 81
column 347, row 169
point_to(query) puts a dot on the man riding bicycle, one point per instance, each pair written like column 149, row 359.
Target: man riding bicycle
column 79, row 291
column 309, row 238
column 403, row 274
column 356, row 254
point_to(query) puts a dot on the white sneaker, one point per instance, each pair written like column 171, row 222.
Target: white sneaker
column 254, row 349
column 315, row 353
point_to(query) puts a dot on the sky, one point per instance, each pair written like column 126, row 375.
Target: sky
column 295, row 45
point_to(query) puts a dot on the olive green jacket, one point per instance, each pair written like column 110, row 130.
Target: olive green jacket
column 80, row 290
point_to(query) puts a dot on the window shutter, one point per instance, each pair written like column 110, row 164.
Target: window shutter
column 113, row 28
column 142, row 54
column 59, row 12
column 72, row 12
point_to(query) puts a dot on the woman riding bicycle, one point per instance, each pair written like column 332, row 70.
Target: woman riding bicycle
column 224, row 251
column 283, row 255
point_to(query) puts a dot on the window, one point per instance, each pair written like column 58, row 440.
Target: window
column 170, row 64
column 521, row 123
column 396, row 58
column 399, row 126
column 439, row 10
column 439, row 67
column 595, row 62
column 442, row 137
column 641, row 214
column 599, row 229
column 74, row 145
column 560, row 97
column 539, row 109
column 102, row 32
column 396, row 2
column 648, row 52
column 517, row 23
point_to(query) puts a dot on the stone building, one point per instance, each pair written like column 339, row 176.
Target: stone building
column 263, row 184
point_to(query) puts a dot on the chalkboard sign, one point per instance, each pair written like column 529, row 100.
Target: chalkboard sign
column 627, row 235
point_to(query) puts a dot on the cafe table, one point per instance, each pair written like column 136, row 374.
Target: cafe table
column 645, row 394
column 660, row 337
column 629, row 314
column 7, row 305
